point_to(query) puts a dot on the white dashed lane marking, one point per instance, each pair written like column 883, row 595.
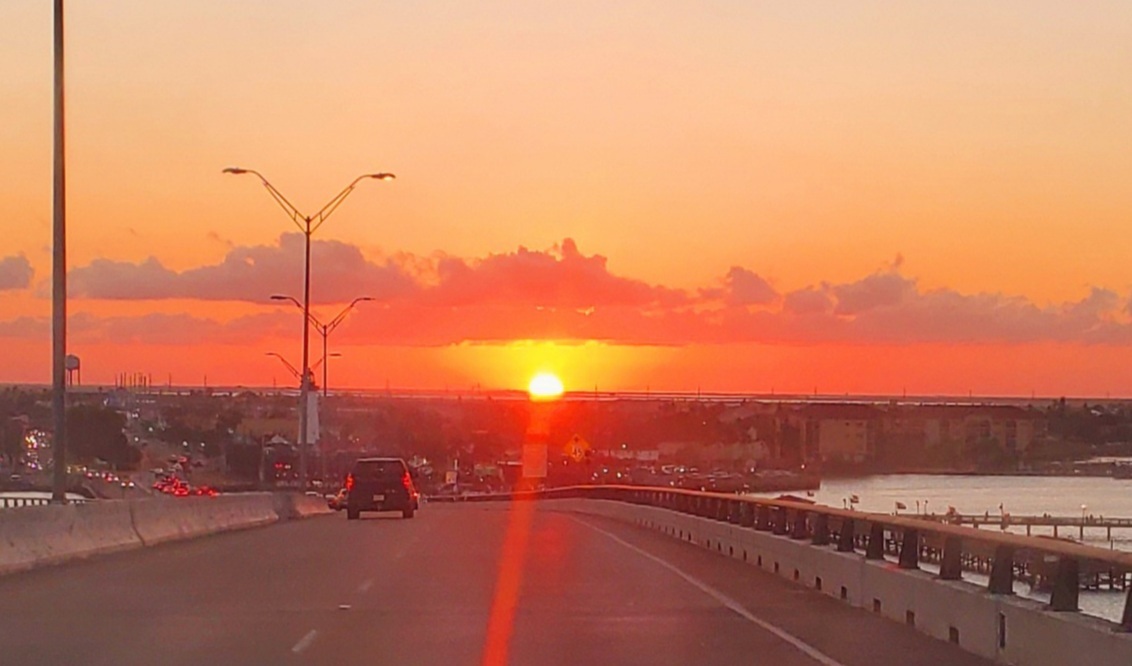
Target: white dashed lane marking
column 725, row 601
column 305, row 641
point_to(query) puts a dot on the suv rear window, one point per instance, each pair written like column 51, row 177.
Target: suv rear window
column 379, row 470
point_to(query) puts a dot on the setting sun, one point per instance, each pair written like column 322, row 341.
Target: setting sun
column 545, row 386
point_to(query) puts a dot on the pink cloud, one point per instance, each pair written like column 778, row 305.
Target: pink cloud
column 562, row 278
column 181, row 329
column 249, row 274
column 15, row 272
column 806, row 301
column 742, row 287
column 875, row 291
column 563, row 294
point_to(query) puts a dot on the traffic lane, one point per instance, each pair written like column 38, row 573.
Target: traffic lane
column 574, row 597
column 417, row 591
column 850, row 636
column 586, row 599
column 240, row 597
column 431, row 605
column 425, row 591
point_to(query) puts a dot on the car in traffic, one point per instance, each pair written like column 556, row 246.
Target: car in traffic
column 381, row 484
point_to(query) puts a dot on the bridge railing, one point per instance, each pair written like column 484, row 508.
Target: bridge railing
column 14, row 502
column 1057, row 565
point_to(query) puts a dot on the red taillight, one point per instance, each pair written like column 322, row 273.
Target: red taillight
column 407, row 481
column 349, row 482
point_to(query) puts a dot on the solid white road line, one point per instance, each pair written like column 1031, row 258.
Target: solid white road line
column 305, row 641
column 724, row 600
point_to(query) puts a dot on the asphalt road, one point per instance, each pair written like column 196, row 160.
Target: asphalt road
column 475, row 584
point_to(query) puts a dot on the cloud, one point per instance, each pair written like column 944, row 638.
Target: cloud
column 181, row 329
column 875, row 291
column 742, row 287
column 252, row 273
column 564, row 294
column 560, row 277
column 807, row 301
column 15, row 272
column 25, row 327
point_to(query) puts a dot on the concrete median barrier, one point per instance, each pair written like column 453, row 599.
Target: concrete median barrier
column 43, row 535
column 38, row 536
column 162, row 519
column 290, row 506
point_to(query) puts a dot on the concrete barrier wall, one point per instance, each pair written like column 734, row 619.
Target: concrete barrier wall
column 1006, row 629
column 162, row 519
column 44, row 535
column 292, row 506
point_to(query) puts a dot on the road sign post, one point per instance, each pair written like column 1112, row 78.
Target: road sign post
column 534, row 449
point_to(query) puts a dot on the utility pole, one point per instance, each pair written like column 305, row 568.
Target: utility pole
column 59, row 280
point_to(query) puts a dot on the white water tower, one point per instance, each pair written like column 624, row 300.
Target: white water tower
column 74, row 370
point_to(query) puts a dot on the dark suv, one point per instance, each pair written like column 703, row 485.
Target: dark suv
column 380, row 484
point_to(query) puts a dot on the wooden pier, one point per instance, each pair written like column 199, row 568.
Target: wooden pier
column 1055, row 523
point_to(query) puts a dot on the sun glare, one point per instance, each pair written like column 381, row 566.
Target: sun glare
column 545, row 386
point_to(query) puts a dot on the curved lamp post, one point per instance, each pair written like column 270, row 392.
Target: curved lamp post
column 325, row 329
column 307, row 224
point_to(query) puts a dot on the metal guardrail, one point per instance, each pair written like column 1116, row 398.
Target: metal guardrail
column 14, row 502
column 1057, row 564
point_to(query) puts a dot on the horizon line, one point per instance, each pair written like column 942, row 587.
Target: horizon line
column 679, row 394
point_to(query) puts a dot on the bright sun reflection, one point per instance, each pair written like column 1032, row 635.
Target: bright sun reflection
column 545, row 386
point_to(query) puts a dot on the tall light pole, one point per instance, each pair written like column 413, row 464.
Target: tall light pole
column 59, row 279
column 325, row 329
column 292, row 369
column 308, row 224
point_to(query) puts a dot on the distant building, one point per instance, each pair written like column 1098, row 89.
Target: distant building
column 843, row 432
column 1013, row 429
column 912, row 429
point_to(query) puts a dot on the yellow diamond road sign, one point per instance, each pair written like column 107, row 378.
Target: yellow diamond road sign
column 576, row 448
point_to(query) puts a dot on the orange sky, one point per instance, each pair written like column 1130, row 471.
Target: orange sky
column 962, row 168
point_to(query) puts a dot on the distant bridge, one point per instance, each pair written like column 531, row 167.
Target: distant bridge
column 1004, row 521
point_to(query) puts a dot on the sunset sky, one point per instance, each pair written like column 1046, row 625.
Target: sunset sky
column 865, row 197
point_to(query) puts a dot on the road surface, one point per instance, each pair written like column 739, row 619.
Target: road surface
column 472, row 584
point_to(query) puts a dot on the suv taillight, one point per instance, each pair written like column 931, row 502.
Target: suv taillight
column 407, row 481
column 349, row 482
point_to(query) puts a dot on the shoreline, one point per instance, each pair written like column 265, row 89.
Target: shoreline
column 938, row 472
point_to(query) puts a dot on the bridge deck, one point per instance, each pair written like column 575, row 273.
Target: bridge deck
column 480, row 584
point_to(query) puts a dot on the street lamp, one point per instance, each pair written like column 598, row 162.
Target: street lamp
column 292, row 369
column 295, row 371
column 325, row 329
column 59, row 274
column 308, row 224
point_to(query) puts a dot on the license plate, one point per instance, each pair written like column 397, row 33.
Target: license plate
column 379, row 498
